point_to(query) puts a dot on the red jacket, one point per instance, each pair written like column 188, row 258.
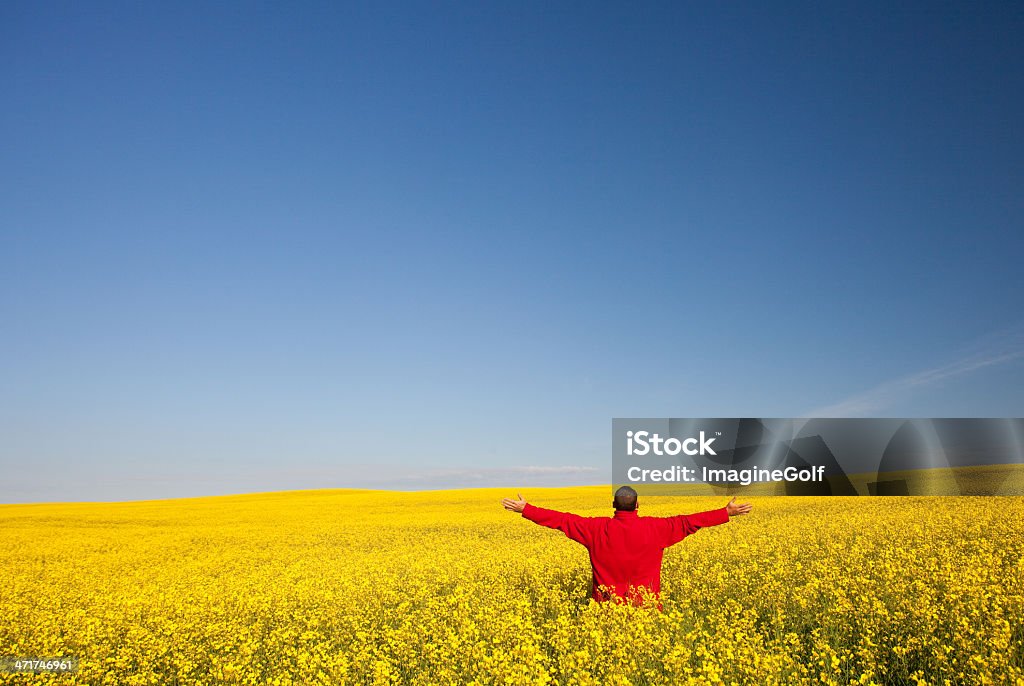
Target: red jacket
column 625, row 550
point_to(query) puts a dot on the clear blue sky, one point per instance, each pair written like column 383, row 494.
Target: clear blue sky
column 297, row 245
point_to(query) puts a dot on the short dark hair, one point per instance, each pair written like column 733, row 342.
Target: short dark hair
column 625, row 499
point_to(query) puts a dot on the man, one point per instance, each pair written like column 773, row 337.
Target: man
column 625, row 550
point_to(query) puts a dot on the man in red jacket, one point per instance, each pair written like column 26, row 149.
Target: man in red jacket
column 625, row 550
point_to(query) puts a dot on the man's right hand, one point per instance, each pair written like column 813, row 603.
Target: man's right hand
column 514, row 505
column 733, row 509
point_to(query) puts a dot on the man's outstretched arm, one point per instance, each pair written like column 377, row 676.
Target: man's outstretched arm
column 681, row 526
column 573, row 526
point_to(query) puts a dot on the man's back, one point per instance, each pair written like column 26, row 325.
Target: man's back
column 625, row 550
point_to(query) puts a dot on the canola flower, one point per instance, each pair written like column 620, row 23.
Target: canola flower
column 363, row 587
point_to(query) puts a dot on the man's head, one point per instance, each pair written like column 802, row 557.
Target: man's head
column 625, row 499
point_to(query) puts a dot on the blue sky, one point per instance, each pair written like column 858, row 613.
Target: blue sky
column 273, row 246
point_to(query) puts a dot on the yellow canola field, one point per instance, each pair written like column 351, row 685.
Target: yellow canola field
column 363, row 587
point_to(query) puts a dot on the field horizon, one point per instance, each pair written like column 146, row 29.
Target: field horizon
column 939, row 480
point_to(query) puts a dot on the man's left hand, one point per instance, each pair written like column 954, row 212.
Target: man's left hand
column 514, row 505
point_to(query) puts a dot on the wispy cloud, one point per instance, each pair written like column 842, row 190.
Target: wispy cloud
column 499, row 476
column 362, row 474
column 529, row 470
column 185, row 482
column 884, row 395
